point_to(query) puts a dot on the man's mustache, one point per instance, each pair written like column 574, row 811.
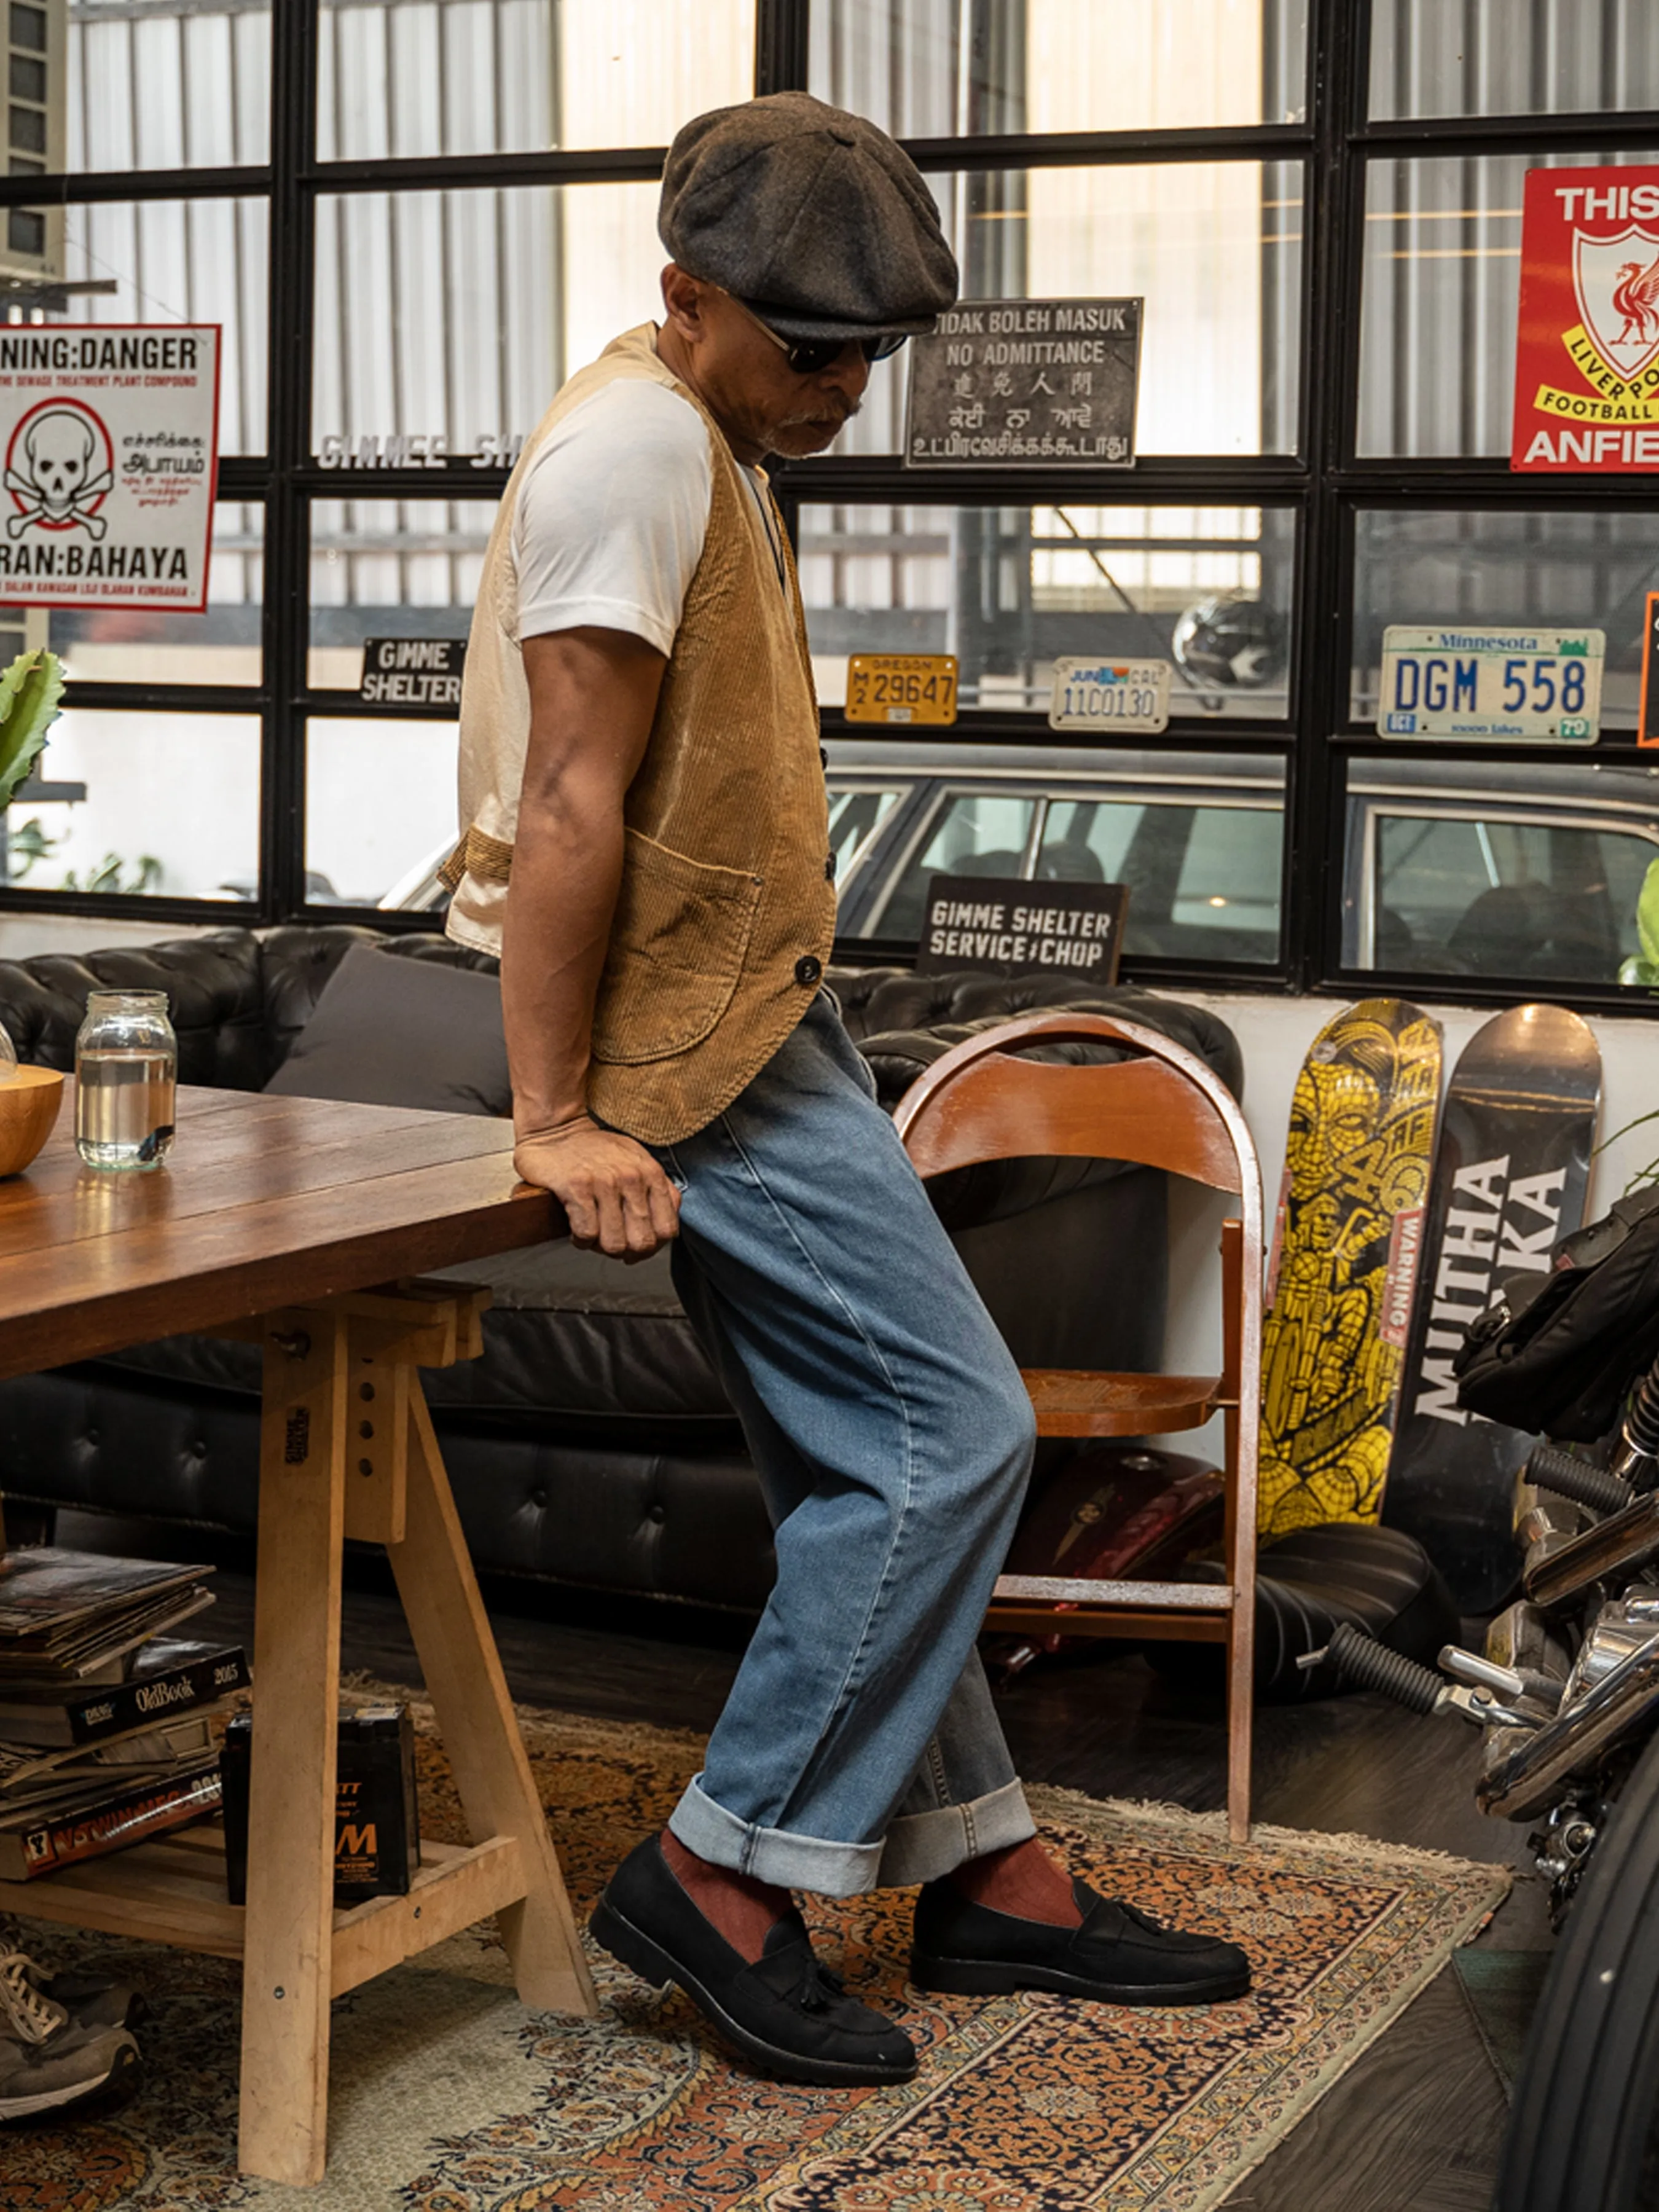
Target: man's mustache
column 843, row 414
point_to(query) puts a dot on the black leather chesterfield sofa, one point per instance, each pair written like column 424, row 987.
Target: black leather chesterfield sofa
column 591, row 1444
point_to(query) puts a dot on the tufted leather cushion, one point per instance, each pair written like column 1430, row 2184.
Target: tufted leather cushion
column 903, row 1023
column 684, row 1522
column 571, row 1337
column 214, row 984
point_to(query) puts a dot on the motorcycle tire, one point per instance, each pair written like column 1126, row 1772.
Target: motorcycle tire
column 1583, row 2134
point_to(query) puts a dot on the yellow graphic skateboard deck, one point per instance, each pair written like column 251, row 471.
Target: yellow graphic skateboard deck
column 1344, row 1265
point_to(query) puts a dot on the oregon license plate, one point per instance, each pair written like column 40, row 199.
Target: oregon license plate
column 1491, row 684
column 902, row 687
column 1109, row 695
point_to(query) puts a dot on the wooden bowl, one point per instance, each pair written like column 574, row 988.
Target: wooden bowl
column 28, row 1108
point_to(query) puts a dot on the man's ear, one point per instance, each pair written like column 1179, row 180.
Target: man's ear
column 681, row 297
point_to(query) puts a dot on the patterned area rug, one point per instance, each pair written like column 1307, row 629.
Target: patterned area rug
column 446, row 2097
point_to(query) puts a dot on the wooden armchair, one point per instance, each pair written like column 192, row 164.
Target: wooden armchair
column 1161, row 1107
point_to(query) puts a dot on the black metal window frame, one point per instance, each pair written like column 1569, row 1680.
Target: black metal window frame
column 1324, row 483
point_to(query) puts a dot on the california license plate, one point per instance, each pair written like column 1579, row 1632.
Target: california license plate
column 1491, row 683
column 902, row 687
column 1109, row 695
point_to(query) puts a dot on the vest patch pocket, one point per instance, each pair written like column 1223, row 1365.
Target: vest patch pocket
column 677, row 944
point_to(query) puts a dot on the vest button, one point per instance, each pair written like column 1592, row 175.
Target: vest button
column 829, row 868
column 809, row 970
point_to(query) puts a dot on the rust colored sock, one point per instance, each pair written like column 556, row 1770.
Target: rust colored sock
column 745, row 1911
column 1022, row 1881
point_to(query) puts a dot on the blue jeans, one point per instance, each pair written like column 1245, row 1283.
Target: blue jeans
column 893, row 1436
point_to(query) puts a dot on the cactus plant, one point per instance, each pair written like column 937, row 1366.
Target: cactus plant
column 29, row 691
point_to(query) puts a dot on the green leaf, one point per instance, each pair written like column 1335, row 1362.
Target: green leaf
column 29, row 691
column 1647, row 915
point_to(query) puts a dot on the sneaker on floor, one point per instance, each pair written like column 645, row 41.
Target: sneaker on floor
column 95, row 2000
column 782, row 2010
column 49, row 2061
column 1118, row 1956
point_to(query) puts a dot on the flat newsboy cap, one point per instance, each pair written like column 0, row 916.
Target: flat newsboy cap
column 812, row 216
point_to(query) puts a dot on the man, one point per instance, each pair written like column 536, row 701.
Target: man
column 646, row 845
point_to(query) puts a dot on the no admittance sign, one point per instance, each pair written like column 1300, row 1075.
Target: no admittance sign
column 111, row 437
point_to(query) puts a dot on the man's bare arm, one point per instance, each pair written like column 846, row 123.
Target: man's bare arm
column 592, row 697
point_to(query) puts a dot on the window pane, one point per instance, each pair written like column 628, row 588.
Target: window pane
column 387, row 568
column 1230, row 871
column 484, row 77
column 172, row 261
column 171, row 807
column 182, row 87
column 379, row 811
column 971, row 834
column 1513, row 57
column 854, row 818
column 932, row 69
column 1197, row 838
column 116, row 645
column 1086, row 840
column 455, row 317
column 1010, row 589
column 1215, row 247
column 1545, row 570
column 1441, row 293
column 1520, row 873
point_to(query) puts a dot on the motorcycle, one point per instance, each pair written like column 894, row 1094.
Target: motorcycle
column 1566, row 1695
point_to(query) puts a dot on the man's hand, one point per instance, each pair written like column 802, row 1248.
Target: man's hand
column 618, row 1199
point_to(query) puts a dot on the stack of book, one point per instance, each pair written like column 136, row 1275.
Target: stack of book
column 107, row 1731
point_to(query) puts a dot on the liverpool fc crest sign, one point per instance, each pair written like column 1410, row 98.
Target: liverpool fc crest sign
column 1587, row 362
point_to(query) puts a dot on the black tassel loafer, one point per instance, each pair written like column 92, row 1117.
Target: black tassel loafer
column 1118, row 1956
column 784, row 2010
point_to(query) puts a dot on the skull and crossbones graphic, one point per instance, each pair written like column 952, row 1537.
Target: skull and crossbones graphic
column 59, row 479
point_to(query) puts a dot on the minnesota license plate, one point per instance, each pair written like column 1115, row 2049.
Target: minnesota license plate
column 1109, row 695
column 902, row 687
column 1491, row 684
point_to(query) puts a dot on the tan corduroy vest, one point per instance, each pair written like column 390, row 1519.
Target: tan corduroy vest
column 726, row 913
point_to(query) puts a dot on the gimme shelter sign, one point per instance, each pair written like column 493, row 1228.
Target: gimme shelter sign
column 1587, row 355
column 110, row 432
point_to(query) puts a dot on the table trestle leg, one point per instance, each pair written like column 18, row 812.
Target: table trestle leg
column 288, row 1930
column 347, row 1447
column 481, row 1736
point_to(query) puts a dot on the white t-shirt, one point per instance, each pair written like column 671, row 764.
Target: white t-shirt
column 613, row 514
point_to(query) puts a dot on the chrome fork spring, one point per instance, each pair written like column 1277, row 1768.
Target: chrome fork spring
column 1637, row 1460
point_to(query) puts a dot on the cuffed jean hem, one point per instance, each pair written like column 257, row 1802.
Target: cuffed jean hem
column 774, row 1854
column 921, row 1846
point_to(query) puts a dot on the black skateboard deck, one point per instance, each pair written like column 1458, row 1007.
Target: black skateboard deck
column 1510, row 1175
column 1350, row 1206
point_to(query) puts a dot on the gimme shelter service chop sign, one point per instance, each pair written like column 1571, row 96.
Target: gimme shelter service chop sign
column 110, row 432
column 1587, row 357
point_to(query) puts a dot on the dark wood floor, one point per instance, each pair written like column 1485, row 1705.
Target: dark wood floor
column 1415, row 2125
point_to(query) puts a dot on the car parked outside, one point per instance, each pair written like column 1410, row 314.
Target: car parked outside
column 1499, row 870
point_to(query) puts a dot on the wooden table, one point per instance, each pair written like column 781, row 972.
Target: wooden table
column 277, row 1219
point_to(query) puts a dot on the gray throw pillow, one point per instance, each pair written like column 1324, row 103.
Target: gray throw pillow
column 391, row 1033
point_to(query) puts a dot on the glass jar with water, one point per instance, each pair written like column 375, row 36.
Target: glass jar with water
column 126, row 1065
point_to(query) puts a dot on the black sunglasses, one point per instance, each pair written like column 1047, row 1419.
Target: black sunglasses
column 811, row 356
